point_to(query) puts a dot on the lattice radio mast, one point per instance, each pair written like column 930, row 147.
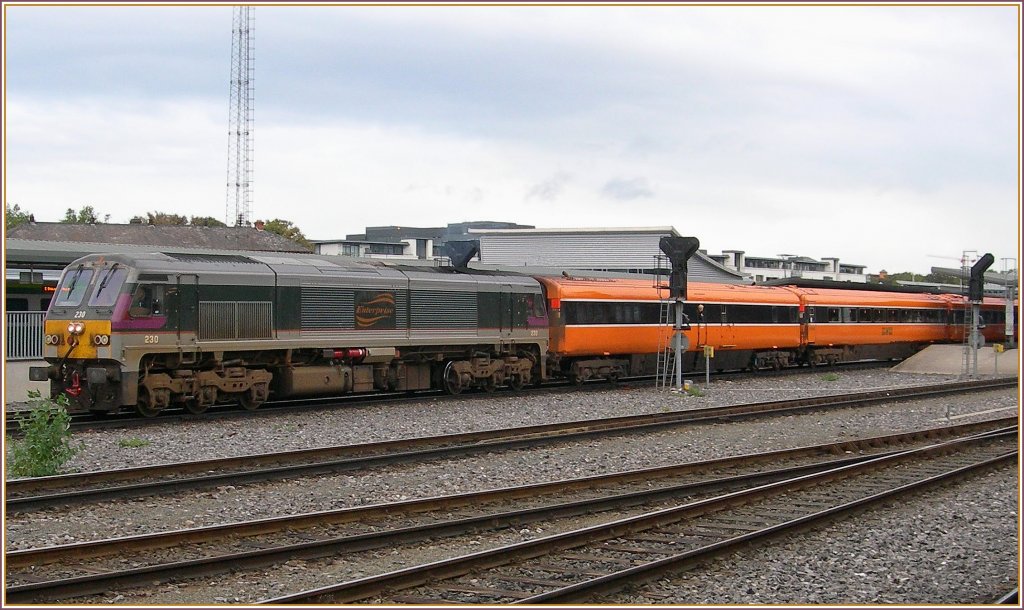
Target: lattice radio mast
column 240, row 120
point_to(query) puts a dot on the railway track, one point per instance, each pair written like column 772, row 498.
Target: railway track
column 580, row 565
column 68, row 571
column 130, row 420
column 35, row 493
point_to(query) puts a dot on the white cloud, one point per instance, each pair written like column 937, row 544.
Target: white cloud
column 876, row 134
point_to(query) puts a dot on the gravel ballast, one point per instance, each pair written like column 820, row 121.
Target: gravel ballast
column 964, row 535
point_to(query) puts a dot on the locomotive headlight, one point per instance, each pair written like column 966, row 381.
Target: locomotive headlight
column 101, row 339
column 76, row 328
column 53, row 339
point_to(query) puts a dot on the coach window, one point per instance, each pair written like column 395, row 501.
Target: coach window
column 833, row 314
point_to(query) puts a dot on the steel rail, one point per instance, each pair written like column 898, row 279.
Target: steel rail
column 19, row 492
column 230, row 411
column 432, row 576
column 105, row 581
column 43, row 555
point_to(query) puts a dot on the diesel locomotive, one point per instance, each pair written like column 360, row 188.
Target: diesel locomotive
column 155, row 330
column 159, row 330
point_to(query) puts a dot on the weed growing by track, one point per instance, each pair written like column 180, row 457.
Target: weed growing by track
column 45, row 443
column 133, row 442
column 830, row 377
column 694, row 391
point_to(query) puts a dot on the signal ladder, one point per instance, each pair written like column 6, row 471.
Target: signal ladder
column 969, row 353
column 666, row 361
column 666, row 350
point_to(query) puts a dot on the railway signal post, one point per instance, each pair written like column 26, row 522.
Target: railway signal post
column 679, row 250
column 976, row 294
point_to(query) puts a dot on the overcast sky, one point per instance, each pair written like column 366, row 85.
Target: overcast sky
column 885, row 136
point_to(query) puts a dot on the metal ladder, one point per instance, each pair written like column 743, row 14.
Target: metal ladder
column 666, row 368
column 666, row 358
column 967, row 368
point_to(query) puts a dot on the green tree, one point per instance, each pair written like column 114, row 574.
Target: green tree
column 205, row 221
column 161, row 218
column 285, row 228
column 86, row 215
column 15, row 216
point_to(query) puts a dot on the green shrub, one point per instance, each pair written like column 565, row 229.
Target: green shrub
column 830, row 377
column 45, row 443
column 132, row 442
column 695, row 391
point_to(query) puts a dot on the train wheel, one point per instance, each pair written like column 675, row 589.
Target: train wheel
column 144, row 404
column 254, row 397
column 452, row 380
column 515, row 383
column 195, row 407
column 490, row 385
column 249, row 401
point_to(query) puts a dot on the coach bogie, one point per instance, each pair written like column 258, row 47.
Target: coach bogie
column 599, row 368
column 775, row 360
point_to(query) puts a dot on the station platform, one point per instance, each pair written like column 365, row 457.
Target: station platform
column 949, row 360
column 16, row 383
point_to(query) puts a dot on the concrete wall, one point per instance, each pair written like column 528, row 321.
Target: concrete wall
column 16, row 383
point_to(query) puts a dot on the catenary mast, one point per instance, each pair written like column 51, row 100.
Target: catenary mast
column 240, row 119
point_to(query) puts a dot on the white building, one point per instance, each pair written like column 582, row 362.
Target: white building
column 764, row 268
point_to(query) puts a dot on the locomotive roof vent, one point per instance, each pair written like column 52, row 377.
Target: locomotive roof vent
column 461, row 252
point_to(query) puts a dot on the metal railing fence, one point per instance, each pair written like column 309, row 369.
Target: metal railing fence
column 24, row 335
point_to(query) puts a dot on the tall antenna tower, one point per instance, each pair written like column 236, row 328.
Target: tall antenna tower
column 240, row 120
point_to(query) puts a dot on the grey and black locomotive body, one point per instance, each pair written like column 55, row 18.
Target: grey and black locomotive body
column 158, row 330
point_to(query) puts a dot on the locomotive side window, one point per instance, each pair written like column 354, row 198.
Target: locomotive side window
column 147, row 301
column 72, row 287
column 535, row 305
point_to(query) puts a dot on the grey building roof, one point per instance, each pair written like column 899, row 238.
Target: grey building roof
column 55, row 245
column 162, row 236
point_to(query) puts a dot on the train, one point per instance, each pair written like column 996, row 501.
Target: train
column 152, row 331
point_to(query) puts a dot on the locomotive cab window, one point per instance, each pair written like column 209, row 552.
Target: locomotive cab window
column 72, row 287
column 108, row 285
